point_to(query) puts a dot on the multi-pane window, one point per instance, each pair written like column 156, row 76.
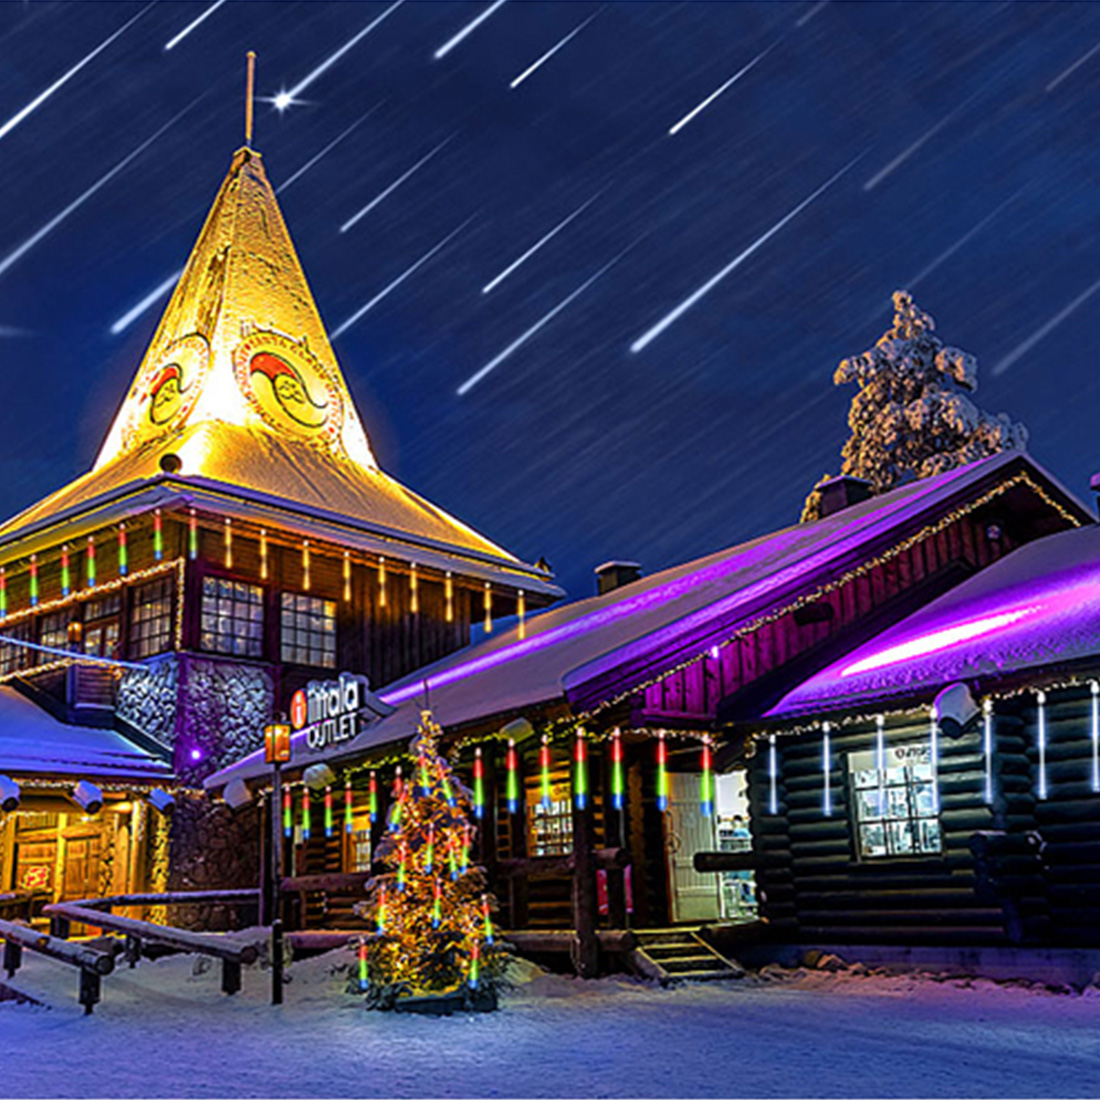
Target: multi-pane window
column 895, row 805
column 232, row 617
column 15, row 657
column 550, row 824
column 101, row 618
column 54, row 632
column 308, row 630
column 151, row 618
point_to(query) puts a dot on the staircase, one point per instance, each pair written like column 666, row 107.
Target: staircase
column 679, row 954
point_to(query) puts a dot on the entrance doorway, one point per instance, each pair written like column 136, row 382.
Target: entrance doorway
column 693, row 897
column 738, row 888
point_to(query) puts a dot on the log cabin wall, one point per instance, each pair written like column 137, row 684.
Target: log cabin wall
column 799, row 643
column 816, row 887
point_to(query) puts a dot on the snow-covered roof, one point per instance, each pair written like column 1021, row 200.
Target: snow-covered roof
column 654, row 622
column 33, row 742
column 1036, row 607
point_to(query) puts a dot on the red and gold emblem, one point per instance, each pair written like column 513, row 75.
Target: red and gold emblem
column 289, row 386
column 167, row 388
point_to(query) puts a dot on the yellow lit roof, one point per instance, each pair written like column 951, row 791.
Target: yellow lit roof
column 241, row 383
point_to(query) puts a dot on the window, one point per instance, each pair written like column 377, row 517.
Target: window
column 232, row 617
column 15, row 657
column 894, row 807
column 309, row 630
column 101, row 619
column 151, row 618
column 54, row 632
column 550, row 828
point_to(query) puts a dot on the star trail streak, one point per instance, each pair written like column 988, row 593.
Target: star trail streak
column 536, row 327
column 1025, row 346
column 1073, row 68
column 193, row 24
column 468, row 29
column 393, row 186
column 327, row 149
column 361, row 312
column 677, row 127
column 150, row 300
column 53, row 223
column 63, row 80
column 553, row 50
column 538, row 244
column 671, row 318
column 286, row 99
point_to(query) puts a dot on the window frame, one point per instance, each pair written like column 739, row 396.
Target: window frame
column 230, row 637
column 136, row 625
column 302, row 611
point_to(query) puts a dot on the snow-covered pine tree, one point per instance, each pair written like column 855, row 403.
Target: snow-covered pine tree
column 431, row 913
column 911, row 417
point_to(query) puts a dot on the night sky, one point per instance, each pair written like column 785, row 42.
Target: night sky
column 976, row 125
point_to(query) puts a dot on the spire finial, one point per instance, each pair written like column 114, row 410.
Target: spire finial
column 249, row 87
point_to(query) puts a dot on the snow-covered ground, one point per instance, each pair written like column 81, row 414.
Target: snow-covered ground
column 162, row 1030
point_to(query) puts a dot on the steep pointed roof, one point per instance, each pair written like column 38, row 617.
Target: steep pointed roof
column 241, row 383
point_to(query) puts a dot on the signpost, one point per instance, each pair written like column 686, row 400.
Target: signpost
column 276, row 753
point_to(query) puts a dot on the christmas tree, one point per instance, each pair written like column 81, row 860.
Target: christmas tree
column 911, row 417
column 431, row 913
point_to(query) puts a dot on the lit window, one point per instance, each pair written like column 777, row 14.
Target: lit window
column 15, row 657
column 232, row 619
column 550, row 828
column 54, row 632
column 151, row 618
column 895, row 806
column 101, row 618
column 308, row 630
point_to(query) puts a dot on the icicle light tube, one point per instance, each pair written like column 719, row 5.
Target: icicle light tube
column 192, row 534
column 34, row 580
column 1095, row 688
column 381, row 582
column 89, row 564
column 773, row 776
column 987, row 748
column 544, row 773
column 158, row 535
column 826, row 771
column 305, row 813
column 395, row 809
column 3, row 593
column 1041, row 704
column 373, row 795
column 349, row 813
column 662, row 773
column 488, row 602
column 305, row 564
column 228, row 539
column 449, row 596
column 616, row 770
column 288, row 814
column 123, row 556
column 347, row 577
column 479, row 785
column 521, row 612
column 580, row 771
column 414, row 590
column 706, row 794
column 328, row 812
column 880, row 762
column 364, row 980
column 512, row 778
column 263, row 554
column 934, row 757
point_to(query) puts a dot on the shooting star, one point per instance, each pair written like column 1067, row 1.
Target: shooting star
column 926, row 137
column 1023, row 348
column 287, row 99
column 651, row 334
column 538, row 244
column 553, row 50
column 714, row 95
column 393, row 186
column 61, row 81
column 468, row 29
column 78, row 202
column 328, row 148
column 948, row 253
column 1073, row 68
column 150, row 299
column 803, row 20
column 398, row 281
column 518, row 343
column 155, row 295
column 193, row 24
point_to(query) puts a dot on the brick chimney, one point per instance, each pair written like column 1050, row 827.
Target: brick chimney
column 838, row 493
column 614, row 574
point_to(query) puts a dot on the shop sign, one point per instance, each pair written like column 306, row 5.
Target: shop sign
column 328, row 711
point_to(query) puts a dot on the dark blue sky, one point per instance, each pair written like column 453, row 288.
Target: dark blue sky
column 574, row 447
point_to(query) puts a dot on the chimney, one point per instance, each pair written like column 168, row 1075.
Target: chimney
column 838, row 493
column 614, row 574
column 1094, row 485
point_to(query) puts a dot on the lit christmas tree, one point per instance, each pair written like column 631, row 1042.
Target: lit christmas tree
column 433, row 931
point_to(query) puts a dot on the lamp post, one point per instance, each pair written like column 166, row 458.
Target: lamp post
column 276, row 753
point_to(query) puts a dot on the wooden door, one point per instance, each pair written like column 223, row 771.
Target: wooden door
column 81, row 875
column 693, row 897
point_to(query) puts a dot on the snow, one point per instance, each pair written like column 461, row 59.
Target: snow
column 165, row 1030
column 1036, row 607
column 32, row 741
column 641, row 624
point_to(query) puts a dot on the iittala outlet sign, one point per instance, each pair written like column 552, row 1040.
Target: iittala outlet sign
column 329, row 711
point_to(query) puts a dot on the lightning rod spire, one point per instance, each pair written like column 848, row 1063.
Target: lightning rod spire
column 250, row 85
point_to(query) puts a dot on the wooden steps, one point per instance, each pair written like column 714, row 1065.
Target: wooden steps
column 675, row 954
